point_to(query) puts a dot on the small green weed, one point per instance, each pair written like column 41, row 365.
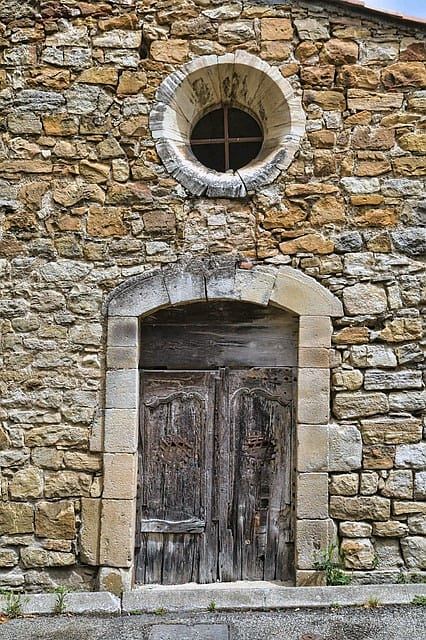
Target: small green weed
column 330, row 561
column 161, row 611
column 60, row 593
column 419, row 600
column 13, row 608
column 212, row 607
column 372, row 603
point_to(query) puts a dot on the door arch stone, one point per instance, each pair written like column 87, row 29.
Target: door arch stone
column 212, row 280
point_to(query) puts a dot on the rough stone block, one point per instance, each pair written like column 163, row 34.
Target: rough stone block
column 355, row 529
column 358, row 553
column 372, row 355
column 117, row 532
column 407, row 400
column 120, row 471
column 312, row 496
column 358, row 405
column 312, row 449
column 364, row 299
column 391, row 430
column 121, row 430
column 345, row 448
column 420, row 485
column 122, row 389
column 360, row 508
column 411, row 456
column 344, row 484
column 414, row 552
column 313, row 402
column 376, row 379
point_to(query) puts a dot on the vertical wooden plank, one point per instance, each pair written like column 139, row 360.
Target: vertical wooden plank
column 222, row 487
column 261, row 415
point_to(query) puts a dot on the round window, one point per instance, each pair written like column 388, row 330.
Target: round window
column 225, row 126
column 226, row 138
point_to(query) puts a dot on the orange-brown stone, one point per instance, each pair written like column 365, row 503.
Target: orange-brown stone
column 105, row 221
column 339, row 52
column 276, row 29
column 310, row 243
column 404, row 74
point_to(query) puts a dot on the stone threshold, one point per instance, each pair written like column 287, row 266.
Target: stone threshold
column 236, row 596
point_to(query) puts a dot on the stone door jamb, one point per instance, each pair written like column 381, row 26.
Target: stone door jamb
column 108, row 531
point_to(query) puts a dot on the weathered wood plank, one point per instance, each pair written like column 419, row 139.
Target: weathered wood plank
column 201, row 336
column 192, row 525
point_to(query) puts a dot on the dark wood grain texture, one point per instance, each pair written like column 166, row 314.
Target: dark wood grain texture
column 215, row 477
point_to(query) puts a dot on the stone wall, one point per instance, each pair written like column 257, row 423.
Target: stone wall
column 85, row 204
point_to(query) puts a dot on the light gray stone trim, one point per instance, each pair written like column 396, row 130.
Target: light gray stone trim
column 201, row 85
column 214, row 279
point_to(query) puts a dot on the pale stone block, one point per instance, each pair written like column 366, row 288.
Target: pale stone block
column 311, row 537
column 117, row 532
column 90, row 530
column 315, row 331
column 185, row 286
column 121, row 430
column 220, row 284
column 312, row 496
column 312, row 447
column 123, row 332
column 314, row 357
column 345, row 447
column 122, row 358
column 115, row 580
column 313, row 401
column 254, row 286
column 122, row 389
column 303, row 295
column 142, row 296
column 310, row 578
column 120, row 471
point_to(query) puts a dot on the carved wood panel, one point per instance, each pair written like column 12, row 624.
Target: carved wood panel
column 215, row 476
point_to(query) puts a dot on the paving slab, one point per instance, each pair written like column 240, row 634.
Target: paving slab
column 244, row 596
column 381, row 623
column 189, row 632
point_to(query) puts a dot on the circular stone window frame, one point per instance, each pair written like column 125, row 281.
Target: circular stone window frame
column 241, row 80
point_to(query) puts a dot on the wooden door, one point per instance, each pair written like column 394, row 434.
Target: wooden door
column 175, row 534
column 215, row 482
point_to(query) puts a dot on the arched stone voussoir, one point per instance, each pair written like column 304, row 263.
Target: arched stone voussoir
column 142, row 295
column 301, row 294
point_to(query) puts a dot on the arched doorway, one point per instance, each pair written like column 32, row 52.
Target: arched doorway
column 113, row 547
column 215, row 481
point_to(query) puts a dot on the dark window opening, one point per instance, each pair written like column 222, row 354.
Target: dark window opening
column 226, row 138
